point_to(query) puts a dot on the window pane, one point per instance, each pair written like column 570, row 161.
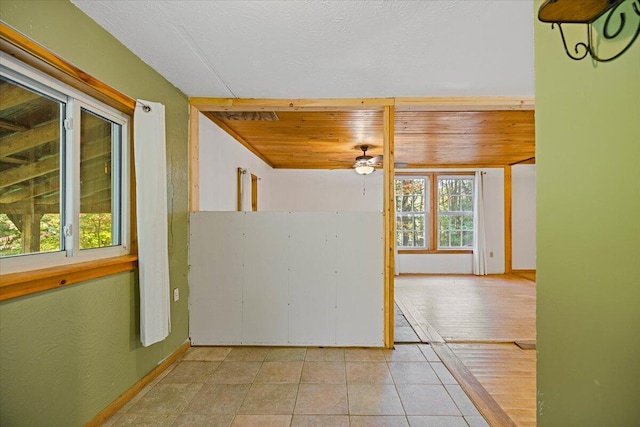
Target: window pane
column 467, row 222
column 466, row 204
column 99, row 183
column 30, row 160
column 444, row 239
column 467, row 238
column 418, row 203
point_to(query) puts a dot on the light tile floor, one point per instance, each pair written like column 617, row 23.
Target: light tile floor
column 261, row 386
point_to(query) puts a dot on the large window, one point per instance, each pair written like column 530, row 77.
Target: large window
column 434, row 212
column 63, row 173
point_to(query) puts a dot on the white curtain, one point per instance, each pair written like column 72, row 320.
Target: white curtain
column 479, row 243
column 151, row 206
column 396, row 258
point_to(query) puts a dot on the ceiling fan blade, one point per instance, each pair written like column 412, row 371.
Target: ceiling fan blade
column 375, row 161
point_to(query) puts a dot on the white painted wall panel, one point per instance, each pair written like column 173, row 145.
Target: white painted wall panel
column 494, row 219
column 523, row 217
column 337, row 190
column 360, row 279
column 281, row 278
column 312, row 278
column 436, row 263
column 215, row 297
column 266, row 277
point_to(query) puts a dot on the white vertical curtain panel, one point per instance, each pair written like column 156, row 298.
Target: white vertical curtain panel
column 151, row 205
column 479, row 241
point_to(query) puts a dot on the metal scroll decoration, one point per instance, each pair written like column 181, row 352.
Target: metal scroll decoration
column 558, row 12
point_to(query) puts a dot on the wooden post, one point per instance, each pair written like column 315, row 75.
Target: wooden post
column 239, row 190
column 389, row 224
column 254, row 193
column 507, row 221
column 31, row 233
column 194, row 159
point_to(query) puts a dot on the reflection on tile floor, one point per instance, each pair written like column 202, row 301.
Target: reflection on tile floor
column 403, row 331
column 261, row 386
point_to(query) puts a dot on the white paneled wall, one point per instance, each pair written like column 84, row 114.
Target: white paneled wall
column 523, row 217
column 286, row 278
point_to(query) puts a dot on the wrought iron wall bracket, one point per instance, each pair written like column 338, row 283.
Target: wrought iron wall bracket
column 562, row 15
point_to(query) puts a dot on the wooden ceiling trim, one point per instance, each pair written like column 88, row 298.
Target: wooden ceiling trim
column 529, row 161
column 272, row 104
column 26, row 50
column 464, row 103
column 238, row 138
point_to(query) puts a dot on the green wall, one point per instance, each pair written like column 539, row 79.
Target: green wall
column 588, row 189
column 68, row 353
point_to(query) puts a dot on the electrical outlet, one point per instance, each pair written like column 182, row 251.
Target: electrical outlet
column 490, row 254
column 176, row 294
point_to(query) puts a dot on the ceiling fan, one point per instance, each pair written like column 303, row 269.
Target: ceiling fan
column 366, row 164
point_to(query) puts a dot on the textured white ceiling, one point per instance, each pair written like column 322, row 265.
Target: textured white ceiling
column 329, row 49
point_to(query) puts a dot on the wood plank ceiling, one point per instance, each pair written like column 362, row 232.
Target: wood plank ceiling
column 423, row 139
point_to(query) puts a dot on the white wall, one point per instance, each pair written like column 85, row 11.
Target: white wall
column 220, row 158
column 523, row 217
column 463, row 263
column 323, row 190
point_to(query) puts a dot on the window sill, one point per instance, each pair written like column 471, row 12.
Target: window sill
column 434, row 251
column 16, row 285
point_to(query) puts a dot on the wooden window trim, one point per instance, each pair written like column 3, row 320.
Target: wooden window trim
column 432, row 179
column 37, row 56
column 16, row 285
column 19, row 284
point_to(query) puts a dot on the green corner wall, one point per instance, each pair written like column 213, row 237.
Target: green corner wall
column 588, row 189
column 67, row 354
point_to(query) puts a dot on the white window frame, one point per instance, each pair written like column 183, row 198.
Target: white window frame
column 75, row 100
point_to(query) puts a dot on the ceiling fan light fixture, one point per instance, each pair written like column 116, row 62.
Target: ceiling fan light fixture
column 364, row 169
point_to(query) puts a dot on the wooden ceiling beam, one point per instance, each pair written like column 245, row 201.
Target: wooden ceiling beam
column 13, row 96
column 51, row 185
column 266, row 104
column 23, row 141
column 51, row 164
column 9, row 125
column 464, row 103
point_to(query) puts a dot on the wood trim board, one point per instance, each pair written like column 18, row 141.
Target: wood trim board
column 28, row 51
column 483, row 103
column 194, row 159
column 16, row 285
column 508, row 258
column 125, row 397
column 486, row 404
column 389, row 226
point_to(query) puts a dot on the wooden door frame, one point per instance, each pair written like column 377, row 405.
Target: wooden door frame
column 388, row 106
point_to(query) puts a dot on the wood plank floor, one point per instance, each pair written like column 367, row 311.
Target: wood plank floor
column 479, row 318
column 472, row 308
column 508, row 373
